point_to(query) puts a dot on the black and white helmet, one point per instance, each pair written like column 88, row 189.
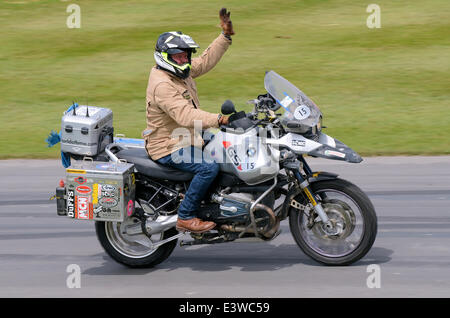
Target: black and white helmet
column 172, row 43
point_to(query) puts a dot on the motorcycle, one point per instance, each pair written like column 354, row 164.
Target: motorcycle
column 264, row 179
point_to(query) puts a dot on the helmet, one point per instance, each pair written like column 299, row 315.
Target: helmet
column 172, row 43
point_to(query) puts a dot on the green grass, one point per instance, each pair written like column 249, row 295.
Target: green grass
column 382, row 91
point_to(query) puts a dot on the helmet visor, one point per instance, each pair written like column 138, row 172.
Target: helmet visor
column 174, row 51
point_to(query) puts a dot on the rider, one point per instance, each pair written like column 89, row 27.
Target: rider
column 172, row 103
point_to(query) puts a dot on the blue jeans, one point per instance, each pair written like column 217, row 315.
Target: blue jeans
column 205, row 173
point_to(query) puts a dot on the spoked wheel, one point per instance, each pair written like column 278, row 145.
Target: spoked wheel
column 353, row 218
column 136, row 250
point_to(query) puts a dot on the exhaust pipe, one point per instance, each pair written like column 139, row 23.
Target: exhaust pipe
column 161, row 224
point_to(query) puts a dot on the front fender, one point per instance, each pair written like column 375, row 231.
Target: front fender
column 321, row 175
column 332, row 148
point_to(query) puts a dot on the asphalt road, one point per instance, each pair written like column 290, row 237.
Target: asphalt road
column 412, row 250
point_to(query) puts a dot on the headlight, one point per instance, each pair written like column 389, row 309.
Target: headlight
column 319, row 125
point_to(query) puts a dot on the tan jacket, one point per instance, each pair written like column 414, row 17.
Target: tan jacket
column 173, row 103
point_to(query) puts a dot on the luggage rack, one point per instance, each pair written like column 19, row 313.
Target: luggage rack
column 111, row 155
column 121, row 142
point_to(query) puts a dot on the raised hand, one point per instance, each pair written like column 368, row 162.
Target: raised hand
column 225, row 22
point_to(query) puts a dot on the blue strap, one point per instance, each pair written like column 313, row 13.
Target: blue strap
column 75, row 105
column 54, row 138
column 65, row 158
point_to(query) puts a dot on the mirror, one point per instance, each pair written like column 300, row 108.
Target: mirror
column 228, row 107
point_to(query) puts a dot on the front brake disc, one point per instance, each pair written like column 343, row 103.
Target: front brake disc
column 341, row 216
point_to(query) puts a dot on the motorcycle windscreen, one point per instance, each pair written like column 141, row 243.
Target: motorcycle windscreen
column 297, row 106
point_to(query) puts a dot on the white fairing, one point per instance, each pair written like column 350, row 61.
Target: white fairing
column 327, row 140
column 295, row 142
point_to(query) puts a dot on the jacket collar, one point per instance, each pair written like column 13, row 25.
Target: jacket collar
column 171, row 76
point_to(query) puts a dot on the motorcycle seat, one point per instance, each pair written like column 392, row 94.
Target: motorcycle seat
column 145, row 165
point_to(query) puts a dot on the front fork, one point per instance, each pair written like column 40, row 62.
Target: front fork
column 296, row 167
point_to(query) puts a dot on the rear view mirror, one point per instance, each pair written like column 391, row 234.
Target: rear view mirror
column 228, row 107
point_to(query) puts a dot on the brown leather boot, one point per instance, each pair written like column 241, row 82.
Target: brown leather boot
column 194, row 225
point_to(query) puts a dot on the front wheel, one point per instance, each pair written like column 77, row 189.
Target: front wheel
column 134, row 250
column 353, row 218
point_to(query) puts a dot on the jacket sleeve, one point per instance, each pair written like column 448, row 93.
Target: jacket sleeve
column 209, row 58
column 169, row 99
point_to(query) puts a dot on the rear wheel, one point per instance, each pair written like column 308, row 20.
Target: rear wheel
column 353, row 218
column 134, row 250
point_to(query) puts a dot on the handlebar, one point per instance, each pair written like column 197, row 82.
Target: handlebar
column 265, row 103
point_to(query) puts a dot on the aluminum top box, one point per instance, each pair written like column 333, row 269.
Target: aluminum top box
column 86, row 130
